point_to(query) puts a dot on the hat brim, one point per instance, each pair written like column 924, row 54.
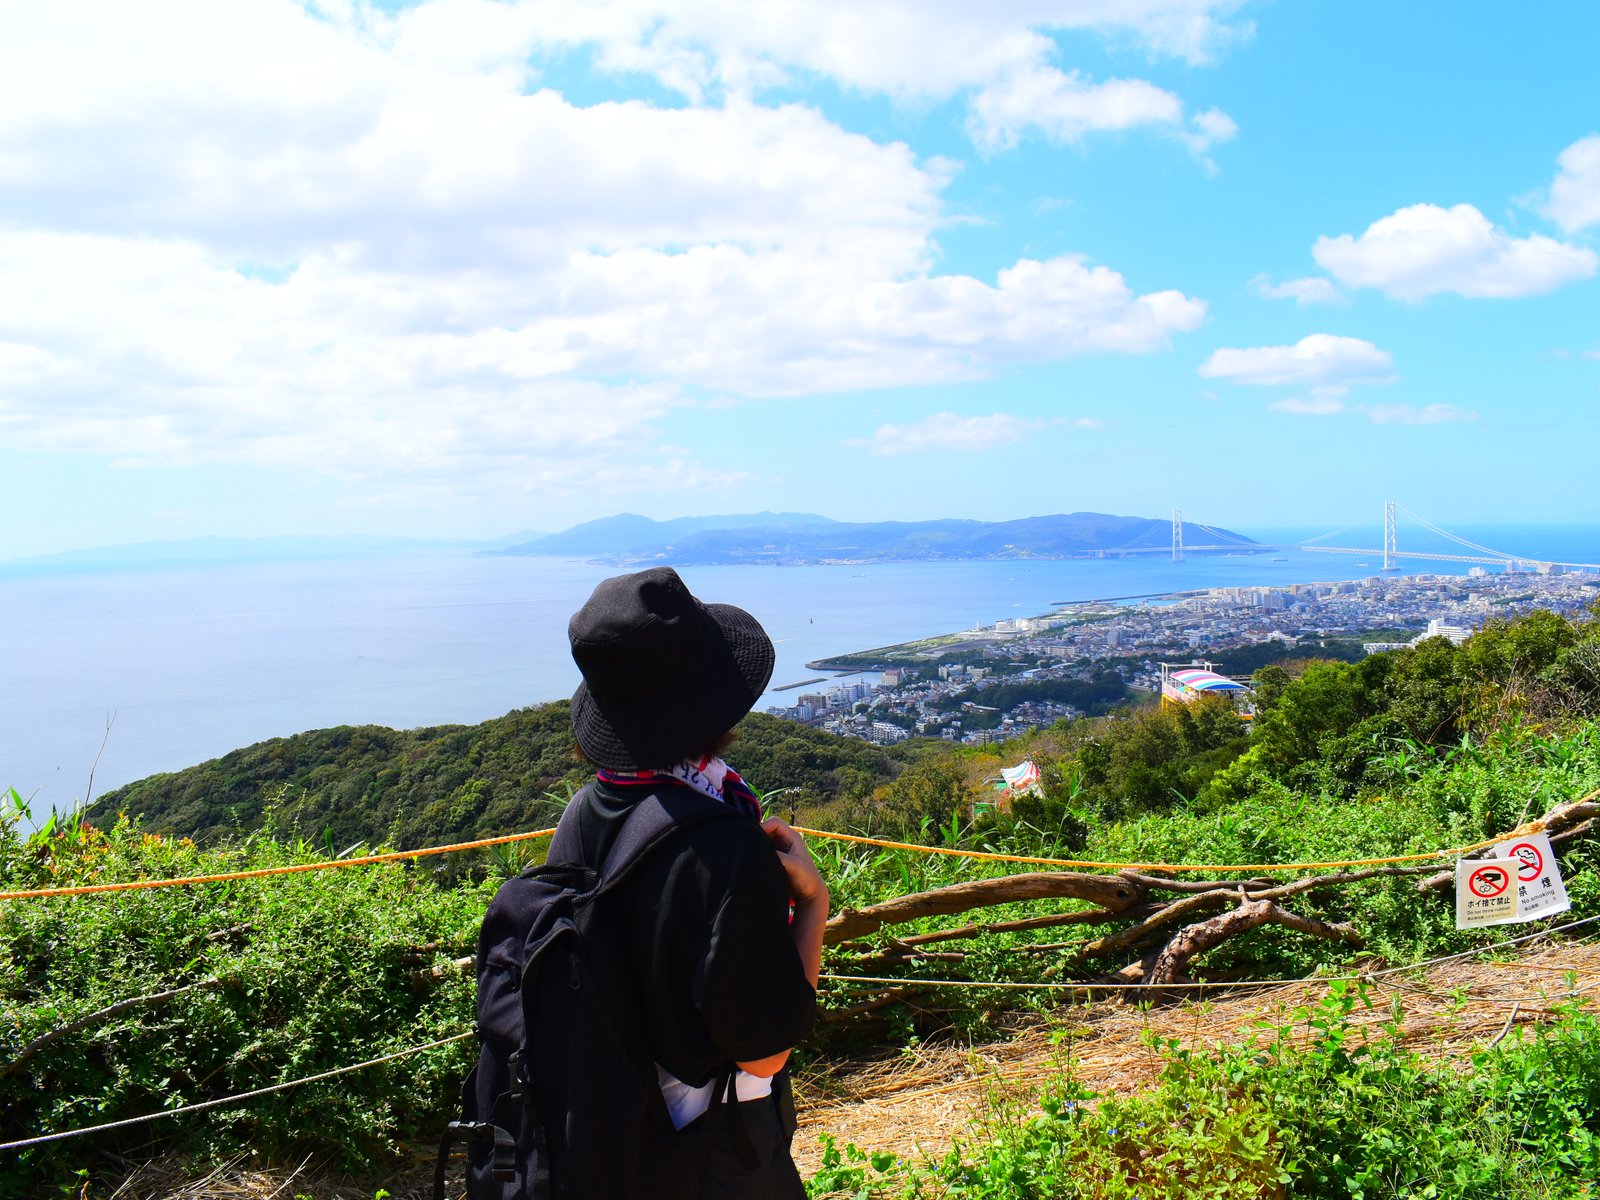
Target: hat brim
column 665, row 723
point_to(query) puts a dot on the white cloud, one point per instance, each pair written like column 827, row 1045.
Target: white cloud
column 903, row 48
column 947, row 431
column 1424, row 250
column 1575, row 192
column 1406, row 414
column 1208, row 129
column 1063, row 106
column 1317, row 406
column 1327, row 363
column 362, row 244
column 1312, row 290
column 997, row 57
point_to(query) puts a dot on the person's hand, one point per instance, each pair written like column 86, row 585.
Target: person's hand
column 805, row 881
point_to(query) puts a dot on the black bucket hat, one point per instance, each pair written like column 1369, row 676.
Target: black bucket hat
column 664, row 675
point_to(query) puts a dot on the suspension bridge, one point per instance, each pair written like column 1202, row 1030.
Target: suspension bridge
column 1222, row 541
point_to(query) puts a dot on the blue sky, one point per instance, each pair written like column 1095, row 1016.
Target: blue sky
column 461, row 268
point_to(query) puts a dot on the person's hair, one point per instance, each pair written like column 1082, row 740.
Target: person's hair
column 714, row 750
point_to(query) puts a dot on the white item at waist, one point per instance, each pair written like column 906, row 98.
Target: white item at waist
column 685, row 1103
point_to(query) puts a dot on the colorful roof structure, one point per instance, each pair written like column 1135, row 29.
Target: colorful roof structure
column 1193, row 679
column 1022, row 778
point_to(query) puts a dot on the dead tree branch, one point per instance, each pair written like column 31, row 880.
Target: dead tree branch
column 839, row 1016
column 1088, row 916
column 1131, row 936
column 1314, row 882
column 1163, row 883
column 102, row 1014
column 1171, row 964
column 422, row 980
column 1111, row 892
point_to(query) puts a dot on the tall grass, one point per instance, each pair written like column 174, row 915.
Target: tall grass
column 307, row 972
column 1348, row 1114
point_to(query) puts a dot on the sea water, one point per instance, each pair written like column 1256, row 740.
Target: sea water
column 126, row 672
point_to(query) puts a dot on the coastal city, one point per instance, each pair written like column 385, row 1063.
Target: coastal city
column 993, row 682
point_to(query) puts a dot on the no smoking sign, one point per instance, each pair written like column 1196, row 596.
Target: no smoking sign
column 1540, row 892
column 1519, row 883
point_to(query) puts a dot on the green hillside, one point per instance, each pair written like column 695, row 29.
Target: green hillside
column 422, row 787
column 128, row 1004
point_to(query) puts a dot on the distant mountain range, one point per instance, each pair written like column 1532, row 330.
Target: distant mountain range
column 789, row 538
column 629, row 539
column 199, row 551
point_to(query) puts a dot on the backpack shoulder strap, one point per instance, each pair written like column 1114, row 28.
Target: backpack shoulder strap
column 660, row 815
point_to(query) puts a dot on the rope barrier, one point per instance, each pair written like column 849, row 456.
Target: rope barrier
column 204, row 1104
column 262, row 872
column 1081, row 985
column 1089, row 864
column 1522, row 830
column 1564, row 994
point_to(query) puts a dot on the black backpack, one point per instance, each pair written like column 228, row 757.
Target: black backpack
column 564, row 1103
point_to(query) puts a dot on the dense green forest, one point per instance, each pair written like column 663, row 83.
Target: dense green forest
column 420, row 787
column 125, row 1004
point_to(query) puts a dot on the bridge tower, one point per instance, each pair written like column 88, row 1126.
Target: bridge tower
column 1177, row 535
column 1390, row 550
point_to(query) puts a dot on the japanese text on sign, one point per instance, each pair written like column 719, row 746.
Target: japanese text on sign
column 1486, row 892
column 1540, row 892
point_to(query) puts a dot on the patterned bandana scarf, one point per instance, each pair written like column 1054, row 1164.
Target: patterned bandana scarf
column 709, row 776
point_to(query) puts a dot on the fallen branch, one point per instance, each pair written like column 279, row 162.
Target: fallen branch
column 232, row 932
column 422, row 980
column 1089, row 916
column 1112, row 892
column 103, row 1014
column 1172, row 962
column 1506, row 1028
column 838, row 1016
column 1314, row 882
column 1126, row 938
column 1164, row 883
column 898, row 953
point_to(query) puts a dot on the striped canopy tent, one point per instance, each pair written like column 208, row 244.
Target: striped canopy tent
column 1022, row 779
column 1193, row 679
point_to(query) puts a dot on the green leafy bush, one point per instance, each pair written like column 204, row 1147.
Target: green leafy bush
column 269, row 979
column 1346, row 1114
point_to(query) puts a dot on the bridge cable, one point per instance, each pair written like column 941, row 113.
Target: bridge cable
column 1325, row 536
column 1461, row 541
column 1140, row 536
column 1237, row 539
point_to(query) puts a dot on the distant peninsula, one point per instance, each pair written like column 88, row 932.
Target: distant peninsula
column 798, row 538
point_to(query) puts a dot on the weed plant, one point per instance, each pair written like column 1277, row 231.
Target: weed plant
column 1448, row 800
column 276, row 979
column 1347, row 1114
column 293, row 975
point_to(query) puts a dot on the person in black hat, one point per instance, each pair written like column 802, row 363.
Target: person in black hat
column 725, row 973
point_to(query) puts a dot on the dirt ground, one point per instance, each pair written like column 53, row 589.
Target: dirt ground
column 915, row 1103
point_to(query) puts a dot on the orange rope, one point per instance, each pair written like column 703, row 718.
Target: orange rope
column 365, row 860
column 1087, row 864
